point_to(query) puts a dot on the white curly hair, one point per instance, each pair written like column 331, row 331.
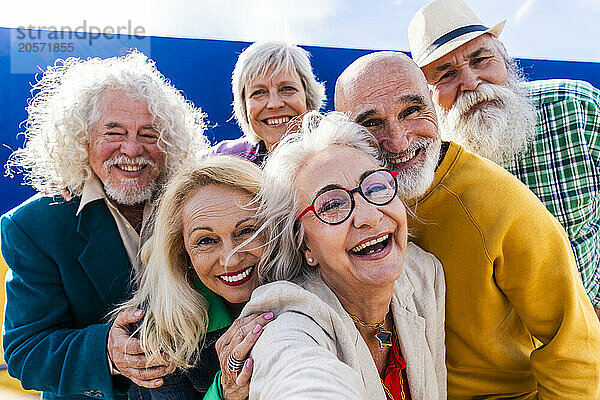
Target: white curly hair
column 64, row 108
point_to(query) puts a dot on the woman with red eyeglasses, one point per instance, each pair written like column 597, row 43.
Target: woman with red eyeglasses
column 360, row 312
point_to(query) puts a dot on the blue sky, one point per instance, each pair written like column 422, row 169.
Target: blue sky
column 547, row 29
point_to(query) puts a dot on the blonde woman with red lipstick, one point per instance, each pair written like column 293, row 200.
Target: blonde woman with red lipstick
column 192, row 283
column 272, row 84
column 360, row 312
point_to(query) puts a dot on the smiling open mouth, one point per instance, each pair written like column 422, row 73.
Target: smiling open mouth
column 404, row 157
column 237, row 278
column 130, row 167
column 276, row 121
column 372, row 246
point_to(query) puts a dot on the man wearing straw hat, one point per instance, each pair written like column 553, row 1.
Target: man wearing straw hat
column 546, row 133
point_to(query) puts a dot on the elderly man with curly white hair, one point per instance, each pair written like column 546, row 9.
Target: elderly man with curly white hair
column 108, row 131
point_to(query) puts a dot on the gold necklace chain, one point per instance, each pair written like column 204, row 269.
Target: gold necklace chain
column 387, row 391
column 401, row 380
column 363, row 323
column 383, row 336
column 379, row 327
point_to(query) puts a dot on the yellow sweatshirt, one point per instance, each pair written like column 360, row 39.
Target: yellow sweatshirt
column 518, row 321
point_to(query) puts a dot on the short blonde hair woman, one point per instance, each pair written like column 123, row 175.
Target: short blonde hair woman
column 272, row 84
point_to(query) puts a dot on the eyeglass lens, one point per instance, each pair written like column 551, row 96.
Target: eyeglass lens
column 335, row 205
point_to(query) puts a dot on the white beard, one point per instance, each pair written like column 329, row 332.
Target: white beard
column 130, row 195
column 128, row 191
column 497, row 131
column 416, row 179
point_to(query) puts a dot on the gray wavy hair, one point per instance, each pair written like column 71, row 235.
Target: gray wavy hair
column 64, row 109
column 261, row 58
column 283, row 258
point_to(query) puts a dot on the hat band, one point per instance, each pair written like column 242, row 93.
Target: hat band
column 463, row 30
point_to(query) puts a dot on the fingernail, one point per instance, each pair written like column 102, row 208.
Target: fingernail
column 158, row 382
column 137, row 313
column 269, row 315
column 257, row 328
column 249, row 363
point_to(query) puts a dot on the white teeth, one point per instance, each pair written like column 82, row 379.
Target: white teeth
column 130, row 167
column 277, row 121
column 358, row 248
column 406, row 158
column 238, row 277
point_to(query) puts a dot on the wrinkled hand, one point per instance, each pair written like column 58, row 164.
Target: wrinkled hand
column 239, row 340
column 127, row 354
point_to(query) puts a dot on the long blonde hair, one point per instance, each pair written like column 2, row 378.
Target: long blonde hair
column 176, row 315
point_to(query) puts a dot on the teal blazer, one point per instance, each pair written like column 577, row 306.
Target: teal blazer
column 66, row 273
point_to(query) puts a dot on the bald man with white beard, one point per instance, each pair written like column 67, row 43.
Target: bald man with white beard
column 518, row 321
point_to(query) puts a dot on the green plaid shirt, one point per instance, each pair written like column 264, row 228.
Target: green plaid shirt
column 562, row 167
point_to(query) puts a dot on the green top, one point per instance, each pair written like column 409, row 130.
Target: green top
column 218, row 314
column 218, row 318
column 215, row 392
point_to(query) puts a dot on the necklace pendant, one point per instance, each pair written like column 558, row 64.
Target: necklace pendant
column 384, row 338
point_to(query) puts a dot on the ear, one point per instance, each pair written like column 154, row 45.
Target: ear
column 309, row 257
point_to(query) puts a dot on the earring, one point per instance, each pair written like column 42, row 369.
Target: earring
column 310, row 260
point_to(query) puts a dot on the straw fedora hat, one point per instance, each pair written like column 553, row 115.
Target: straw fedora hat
column 441, row 26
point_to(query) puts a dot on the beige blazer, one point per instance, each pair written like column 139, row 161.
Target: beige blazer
column 312, row 350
